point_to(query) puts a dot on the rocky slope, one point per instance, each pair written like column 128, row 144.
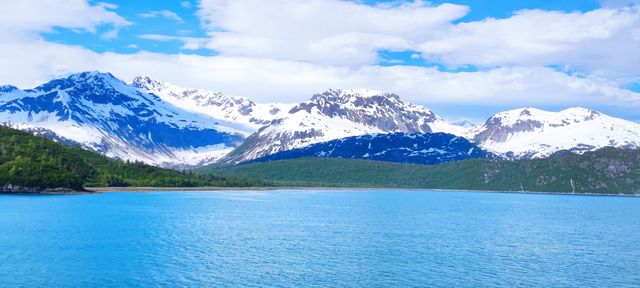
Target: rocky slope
column 417, row 148
column 237, row 111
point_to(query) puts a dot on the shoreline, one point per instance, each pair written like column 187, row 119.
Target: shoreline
column 98, row 190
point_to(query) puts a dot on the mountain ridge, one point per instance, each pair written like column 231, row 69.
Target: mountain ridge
column 415, row 148
column 534, row 133
column 106, row 115
column 236, row 109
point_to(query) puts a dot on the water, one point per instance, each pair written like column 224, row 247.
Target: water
column 319, row 239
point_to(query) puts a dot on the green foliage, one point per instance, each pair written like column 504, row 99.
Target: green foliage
column 607, row 171
column 30, row 161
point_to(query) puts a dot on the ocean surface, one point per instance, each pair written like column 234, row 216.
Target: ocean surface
column 381, row 238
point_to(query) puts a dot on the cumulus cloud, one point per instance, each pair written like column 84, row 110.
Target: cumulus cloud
column 598, row 42
column 267, row 80
column 189, row 43
column 320, row 31
column 28, row 18
column 330, row 32
column 167, row 14
column 299, row 71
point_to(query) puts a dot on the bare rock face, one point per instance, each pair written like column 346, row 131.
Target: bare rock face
column 496, row 131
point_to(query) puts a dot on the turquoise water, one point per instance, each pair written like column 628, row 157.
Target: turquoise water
column 319, row 239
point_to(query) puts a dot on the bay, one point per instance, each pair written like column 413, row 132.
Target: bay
column 323, row 238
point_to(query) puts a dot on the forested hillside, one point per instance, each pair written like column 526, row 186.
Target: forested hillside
column 606, row 171
column 35, row 162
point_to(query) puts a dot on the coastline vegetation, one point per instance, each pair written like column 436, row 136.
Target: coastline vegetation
column 35, row 162
column 38, row 163
column 605, row 171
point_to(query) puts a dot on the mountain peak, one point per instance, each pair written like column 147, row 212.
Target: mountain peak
column 91, row 76
column 143, row 81
column 360, row 92
column 8, row 88
column 349, row 95
column 530, row 132
column 512, row 117
column 581, row 112
column 340, row 102
column 98, row 81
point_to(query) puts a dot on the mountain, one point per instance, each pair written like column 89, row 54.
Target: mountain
column 417, row 148
column 606, row 171
column 103, row 114
column 338, row 114
column 533, row 133
column 31, row 164
column 238, row 110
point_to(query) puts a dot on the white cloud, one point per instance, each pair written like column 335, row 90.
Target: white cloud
column 28, row 60
column 28, row 18
column 320, row 31
column 598, row 42
column 602, row 42
column 275, row 80
column 167, row 14
column 189, row 43
column 110, row 35
column 185, row 4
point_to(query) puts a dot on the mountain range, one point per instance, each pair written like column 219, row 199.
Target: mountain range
column 170, row 126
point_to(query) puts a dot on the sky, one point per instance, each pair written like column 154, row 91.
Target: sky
column 465, row 59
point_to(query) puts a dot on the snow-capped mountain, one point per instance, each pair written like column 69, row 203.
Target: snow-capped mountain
column 234, row 109
column 338, row 114
column 417, row 148
column 104, row 114
column 533, row 133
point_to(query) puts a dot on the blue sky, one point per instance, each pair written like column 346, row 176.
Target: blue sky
column 463, row 59
column 190, row 26
column 128, row 40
